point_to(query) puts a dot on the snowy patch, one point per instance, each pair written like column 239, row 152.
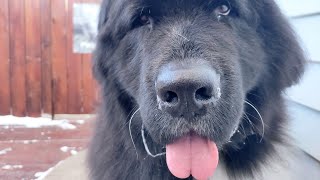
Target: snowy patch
column 11, row 167
column 34, row 141
column 64, row 149
column 42, row 175
column 30, row 141
column 35, row 122
column 74, row 152
column 5, row 151
column 80, row 122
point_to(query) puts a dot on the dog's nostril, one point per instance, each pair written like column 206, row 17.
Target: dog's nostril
column 171, row 97
column 203, row 94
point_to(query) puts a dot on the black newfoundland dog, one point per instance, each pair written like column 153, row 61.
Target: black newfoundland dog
column 191, row 88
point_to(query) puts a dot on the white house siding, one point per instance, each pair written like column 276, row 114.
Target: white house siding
column 305, row 18
column 294, row 8
column 308, row 29
column 304, row 98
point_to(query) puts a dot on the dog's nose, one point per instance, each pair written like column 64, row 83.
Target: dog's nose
column 187, row 92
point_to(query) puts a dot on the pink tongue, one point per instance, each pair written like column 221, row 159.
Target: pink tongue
column 192, row 155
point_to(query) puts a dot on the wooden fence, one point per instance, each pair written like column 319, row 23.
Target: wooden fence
column 39, row 73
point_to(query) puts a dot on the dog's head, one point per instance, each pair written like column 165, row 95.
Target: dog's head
column 189, row 65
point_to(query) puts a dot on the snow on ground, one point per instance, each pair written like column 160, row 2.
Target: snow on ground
column 29, row 122
column 42, row 175
column 80, row 122
column 65, row 149
column 5, row 151
column 72, row 150
column 11, row 167
column 30, row 141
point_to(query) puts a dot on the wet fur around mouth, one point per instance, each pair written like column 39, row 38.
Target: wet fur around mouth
column 255, row 52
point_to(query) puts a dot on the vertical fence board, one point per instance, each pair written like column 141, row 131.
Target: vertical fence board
column 46, row 57
column 4, row 59
column 89, row 87
column 74, row 68
column 59, row 54
column 89, row 84
column 33, row 57
column 17, row 56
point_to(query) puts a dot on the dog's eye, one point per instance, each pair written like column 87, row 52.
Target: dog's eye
column 144, row 19
column 145, row 16
column 223, row 8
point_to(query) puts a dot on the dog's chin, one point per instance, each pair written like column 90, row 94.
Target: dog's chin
column 175, row 131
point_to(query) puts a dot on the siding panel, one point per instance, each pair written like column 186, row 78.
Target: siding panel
column 298, row 7
column 307, row 92
column 308, row 29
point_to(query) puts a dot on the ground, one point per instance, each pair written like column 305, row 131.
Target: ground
column 26, row 151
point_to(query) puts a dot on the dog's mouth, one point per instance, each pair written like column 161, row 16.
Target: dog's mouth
column 192, row 155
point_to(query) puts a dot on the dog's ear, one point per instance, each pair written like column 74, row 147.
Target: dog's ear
column 281, row 46
column 99, row 69
column 115, row 20
column 103, row 16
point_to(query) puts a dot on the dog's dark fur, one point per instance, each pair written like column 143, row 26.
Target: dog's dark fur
column 253, row 49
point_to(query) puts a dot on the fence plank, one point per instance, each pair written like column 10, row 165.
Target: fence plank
column 74, row 69
column 33, row 57
column 4, row 59
column 46, row 56
column 17, row 56
column 59, row 54
column 89, row 86
column 90, row 91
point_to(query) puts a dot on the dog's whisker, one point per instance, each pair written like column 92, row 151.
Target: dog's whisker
column 243, row 129
column 130, row 115
column 254, row 127
column 146, row 145
column 130, row 122
column 261, row 119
